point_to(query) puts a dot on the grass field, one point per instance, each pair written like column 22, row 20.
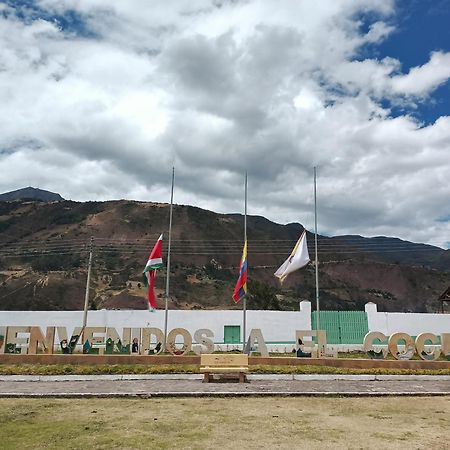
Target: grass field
column 210, row 423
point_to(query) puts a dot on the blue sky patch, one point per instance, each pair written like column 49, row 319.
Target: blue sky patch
column 71, row 22
column 422, row 27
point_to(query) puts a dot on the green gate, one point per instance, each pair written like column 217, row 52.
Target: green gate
column 342, row 327
column 232, row 334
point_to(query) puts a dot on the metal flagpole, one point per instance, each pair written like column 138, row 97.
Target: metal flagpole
column 166, row 313
column 88, row 282
column 315, row 250
column 244, row 304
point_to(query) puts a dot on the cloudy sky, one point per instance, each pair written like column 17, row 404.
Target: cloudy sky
column 100, row 98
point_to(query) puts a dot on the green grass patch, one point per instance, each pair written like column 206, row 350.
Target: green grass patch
column 97, row 369
column 310, row 369
column 136, row 369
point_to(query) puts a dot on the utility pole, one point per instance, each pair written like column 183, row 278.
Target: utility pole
column 88, row 281
column 315, row 250
column 166, row 311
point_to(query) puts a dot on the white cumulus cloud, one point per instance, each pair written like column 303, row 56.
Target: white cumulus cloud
column 99, row 99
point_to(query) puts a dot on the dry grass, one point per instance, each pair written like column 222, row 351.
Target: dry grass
column 209, row 423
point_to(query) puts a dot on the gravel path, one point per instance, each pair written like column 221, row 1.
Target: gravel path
column 193, row 386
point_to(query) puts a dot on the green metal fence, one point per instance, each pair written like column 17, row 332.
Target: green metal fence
column 342, row 327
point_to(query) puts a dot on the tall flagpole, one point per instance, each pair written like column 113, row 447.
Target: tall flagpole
column 166, row 312
column 244, row 304
column 88, row 282
column 315, row 250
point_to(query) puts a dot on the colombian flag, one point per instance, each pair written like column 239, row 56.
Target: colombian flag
column 240, row 290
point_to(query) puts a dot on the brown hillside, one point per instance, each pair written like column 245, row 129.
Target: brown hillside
column 44, row 251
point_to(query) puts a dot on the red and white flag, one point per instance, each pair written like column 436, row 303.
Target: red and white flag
column 154, row 262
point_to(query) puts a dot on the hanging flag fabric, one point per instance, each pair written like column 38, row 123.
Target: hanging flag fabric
column 298, row 258
column 240, row 290
column 154, row 262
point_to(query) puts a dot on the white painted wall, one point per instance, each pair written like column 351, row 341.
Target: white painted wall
column 276, row 326
column 411, row 323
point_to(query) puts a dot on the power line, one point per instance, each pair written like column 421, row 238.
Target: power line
column 337, row 239
column 348, row 246
column 221, row 244
column 210, row 253
column 16, row 290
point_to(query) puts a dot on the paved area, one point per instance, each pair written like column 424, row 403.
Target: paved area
column 191, row 385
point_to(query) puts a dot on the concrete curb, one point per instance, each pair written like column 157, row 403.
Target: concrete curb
column 250, row 377
column 52, row 378
column 223, row 394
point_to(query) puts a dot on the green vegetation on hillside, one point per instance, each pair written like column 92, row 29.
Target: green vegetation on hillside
column 51, row 241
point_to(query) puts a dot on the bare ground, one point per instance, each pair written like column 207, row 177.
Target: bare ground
column 226, row 423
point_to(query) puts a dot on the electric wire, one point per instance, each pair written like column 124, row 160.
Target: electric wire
column 60, row 246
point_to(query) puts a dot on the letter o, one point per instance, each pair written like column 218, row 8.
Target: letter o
column 187, row 341
column 409, row 346
column 420, row 346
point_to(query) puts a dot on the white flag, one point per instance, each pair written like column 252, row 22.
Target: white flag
column 299, row 258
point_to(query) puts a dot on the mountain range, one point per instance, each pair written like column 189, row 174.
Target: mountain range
column 30, row 193
column 44, row 248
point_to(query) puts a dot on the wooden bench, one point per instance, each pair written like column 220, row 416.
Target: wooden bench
column 223, row 364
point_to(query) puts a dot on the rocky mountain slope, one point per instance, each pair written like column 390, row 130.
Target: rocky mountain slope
column 44, row 250
column 30, row 193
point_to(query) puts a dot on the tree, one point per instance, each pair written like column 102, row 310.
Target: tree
column 262, row 296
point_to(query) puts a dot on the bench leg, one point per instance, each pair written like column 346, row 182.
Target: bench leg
column 241, row 377
column 206, row 377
